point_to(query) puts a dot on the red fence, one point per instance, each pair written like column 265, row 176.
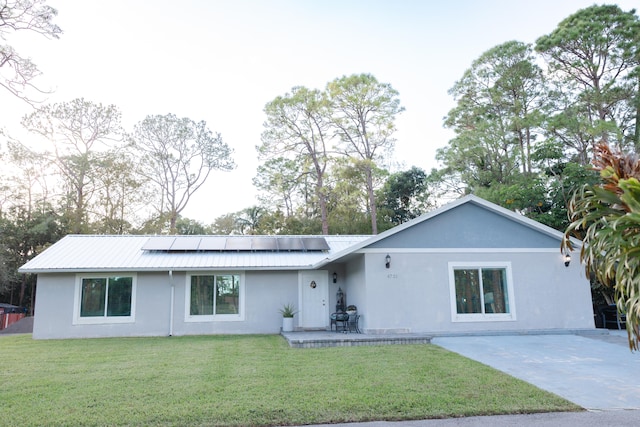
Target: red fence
column 7, row 319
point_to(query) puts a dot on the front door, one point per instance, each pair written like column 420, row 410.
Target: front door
column 314, row 295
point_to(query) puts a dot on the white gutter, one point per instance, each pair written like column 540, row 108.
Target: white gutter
column 172, row 303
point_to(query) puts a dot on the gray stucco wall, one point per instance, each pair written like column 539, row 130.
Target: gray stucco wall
column 414, row 294
column 54, row 310
column 468, row 226
column 265, row 293
column 356, row 287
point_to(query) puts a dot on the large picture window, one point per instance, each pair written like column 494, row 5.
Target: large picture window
column 212, row 296
column 481, row 292
column 105, row 299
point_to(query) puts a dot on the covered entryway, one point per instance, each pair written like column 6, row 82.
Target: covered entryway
column 314, row 299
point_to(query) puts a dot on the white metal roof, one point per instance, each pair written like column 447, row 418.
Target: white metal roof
column 83, row 253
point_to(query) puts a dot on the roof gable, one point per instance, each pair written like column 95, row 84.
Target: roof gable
column 469, row 225
column 464, row 229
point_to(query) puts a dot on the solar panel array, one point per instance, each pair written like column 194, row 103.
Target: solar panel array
column 235, row 244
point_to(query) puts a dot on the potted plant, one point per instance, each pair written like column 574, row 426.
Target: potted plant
column 287, row 311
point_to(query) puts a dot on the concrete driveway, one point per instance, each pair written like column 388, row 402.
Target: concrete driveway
column 597, row 372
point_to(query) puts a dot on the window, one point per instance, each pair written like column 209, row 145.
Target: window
column 481, row 292
column 214, row 296
column 104, row 299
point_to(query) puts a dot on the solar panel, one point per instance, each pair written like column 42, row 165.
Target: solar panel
column 186, row 243
column 290, row 244
column 238, row 244
column 158, row 243
column 212, row 243
column 264, row 244
column 315, row 244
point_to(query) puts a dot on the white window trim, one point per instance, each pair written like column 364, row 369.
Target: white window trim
column 482, row 317
column 215, row 317
column 98, row 320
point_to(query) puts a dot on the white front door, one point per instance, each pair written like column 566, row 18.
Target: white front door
column 314, row 299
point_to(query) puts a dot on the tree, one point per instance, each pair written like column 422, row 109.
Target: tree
column 497, row 117
column 363, row 116
column 596, row 49
column 30, row 179
column 191, row 227
column 516, row 90
column 567, row 123
column 225, row 224
column 248, row 220
column 607, row 218
column 282, row 181
column 119, row 193
column 348, row 197
column 445, row 184
column 177, row 155
column 26, row 231
column 402, row 195
column 562, row 175
column 298, row 125
column 16, row 71
column 525, row 194
column 81, row 132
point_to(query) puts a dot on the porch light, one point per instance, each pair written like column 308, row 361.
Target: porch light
column 335, row 277
column 387, row 261
column 567, row 259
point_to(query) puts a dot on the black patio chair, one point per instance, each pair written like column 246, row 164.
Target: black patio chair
column 611, row 316
column 353, row 324
column 339, row 320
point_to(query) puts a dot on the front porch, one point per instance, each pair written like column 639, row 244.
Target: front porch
column 318, row 339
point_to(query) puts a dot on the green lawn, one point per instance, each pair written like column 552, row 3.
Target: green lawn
column 246, row 380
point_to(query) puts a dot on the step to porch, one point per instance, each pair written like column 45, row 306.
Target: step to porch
column 319, row 339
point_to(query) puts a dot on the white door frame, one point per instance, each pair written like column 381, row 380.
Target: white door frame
column 319, row 318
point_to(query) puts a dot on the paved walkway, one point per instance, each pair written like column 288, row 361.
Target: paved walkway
column 587, row 370
column 554, row 419
column 598, row 372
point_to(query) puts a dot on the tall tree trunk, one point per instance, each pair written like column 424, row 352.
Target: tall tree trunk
column 33, row 298
column 322, row 200
column 637, row 134
column 320, row 194
column 523, row 156
column 23, row 286
column 172, row 221
column 528, row 140
column 372, row 201
column 77, row 226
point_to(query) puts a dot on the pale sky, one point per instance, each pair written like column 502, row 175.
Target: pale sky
column 222, row 61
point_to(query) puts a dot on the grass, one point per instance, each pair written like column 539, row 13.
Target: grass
column 247, row 380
